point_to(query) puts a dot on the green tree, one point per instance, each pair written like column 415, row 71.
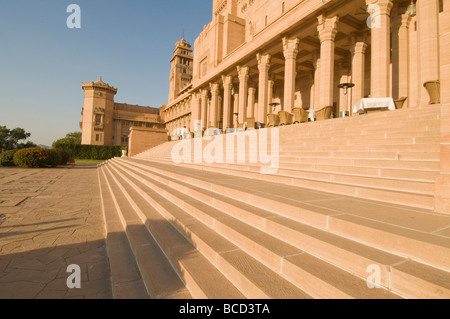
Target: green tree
column 76, row 136
column 4, row 134
column 9, row 139
column 73, row 138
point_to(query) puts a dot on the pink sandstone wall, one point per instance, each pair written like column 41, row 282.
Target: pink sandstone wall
column 142, row 139
column 444, row 31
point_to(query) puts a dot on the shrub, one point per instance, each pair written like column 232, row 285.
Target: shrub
column 94, row 152
column 65, row 156
column 7, row 158
column 54, row 158
column 35, row 157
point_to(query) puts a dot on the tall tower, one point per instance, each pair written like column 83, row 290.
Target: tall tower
column 97, row 124
column 182, row 68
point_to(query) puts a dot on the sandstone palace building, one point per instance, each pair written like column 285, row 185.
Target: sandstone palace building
column 105, row 122
column 295, row 54
column 309, row 157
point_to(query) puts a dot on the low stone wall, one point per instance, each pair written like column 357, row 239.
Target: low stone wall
column 142, row 139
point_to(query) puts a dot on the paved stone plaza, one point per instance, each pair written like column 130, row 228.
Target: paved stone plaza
column 49, row 219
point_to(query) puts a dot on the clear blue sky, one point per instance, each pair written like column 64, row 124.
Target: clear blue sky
column 43, row 62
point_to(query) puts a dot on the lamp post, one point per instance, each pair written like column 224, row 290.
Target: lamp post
column 274, row 106
column 345, row 86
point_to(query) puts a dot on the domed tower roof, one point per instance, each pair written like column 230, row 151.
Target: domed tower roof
column 99, row 85
column 183, row 43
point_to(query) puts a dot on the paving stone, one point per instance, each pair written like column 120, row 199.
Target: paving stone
column 20, row 290
column 54, row 219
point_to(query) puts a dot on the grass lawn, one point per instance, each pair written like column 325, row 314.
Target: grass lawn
column 87, row 162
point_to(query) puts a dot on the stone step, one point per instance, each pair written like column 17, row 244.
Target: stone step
column 394, row 119
column 356, row 134
column 295, row 265
column 379, row 141
column 349, row 255
column 416, row 231
column 363, row 155
column 249, row 275
column 184, row 272
column 430, row 143
column 158, row 276
column 429, row 147
column 372, row 133
column 398, row 122
column 377, row 163
column 332, row 164
column 413, row 193
column 406, row 180
column 126, row 279
column 403, row 174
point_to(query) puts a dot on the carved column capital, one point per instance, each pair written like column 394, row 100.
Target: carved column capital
column 402, row 20
column 290, row 47
column 263, row 62
column 327, row 28
column 377, row 7
column 227, row 82
column 243, row 72
column 214, row 88
column 204, row 93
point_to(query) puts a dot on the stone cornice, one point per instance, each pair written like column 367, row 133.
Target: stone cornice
column 99, row 85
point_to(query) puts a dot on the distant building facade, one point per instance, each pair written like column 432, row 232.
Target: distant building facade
column 105, row 122
column 295, row 53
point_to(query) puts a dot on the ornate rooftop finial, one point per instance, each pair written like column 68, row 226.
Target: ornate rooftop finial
column 99, row 84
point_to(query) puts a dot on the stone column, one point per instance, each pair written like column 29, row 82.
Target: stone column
column 196, row 110
column 214, row 107
column 204, row 116
column 400, row 54
column 219, row 117
column 316, row 92
column 290, row 51
column 227, row 110
column 428, row 43
column 235, row 109
column 263, row 88
column 251, row 102
column 380, row 11
column 358, row 51
column 327, row 32
column 270, row 85
column 243, row 91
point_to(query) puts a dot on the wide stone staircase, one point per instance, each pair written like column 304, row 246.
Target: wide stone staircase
column 344, row 212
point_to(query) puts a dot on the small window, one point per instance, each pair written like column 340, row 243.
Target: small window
column 441, row 5
column 97, row 137
column 282, row 8
column 98, row 119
